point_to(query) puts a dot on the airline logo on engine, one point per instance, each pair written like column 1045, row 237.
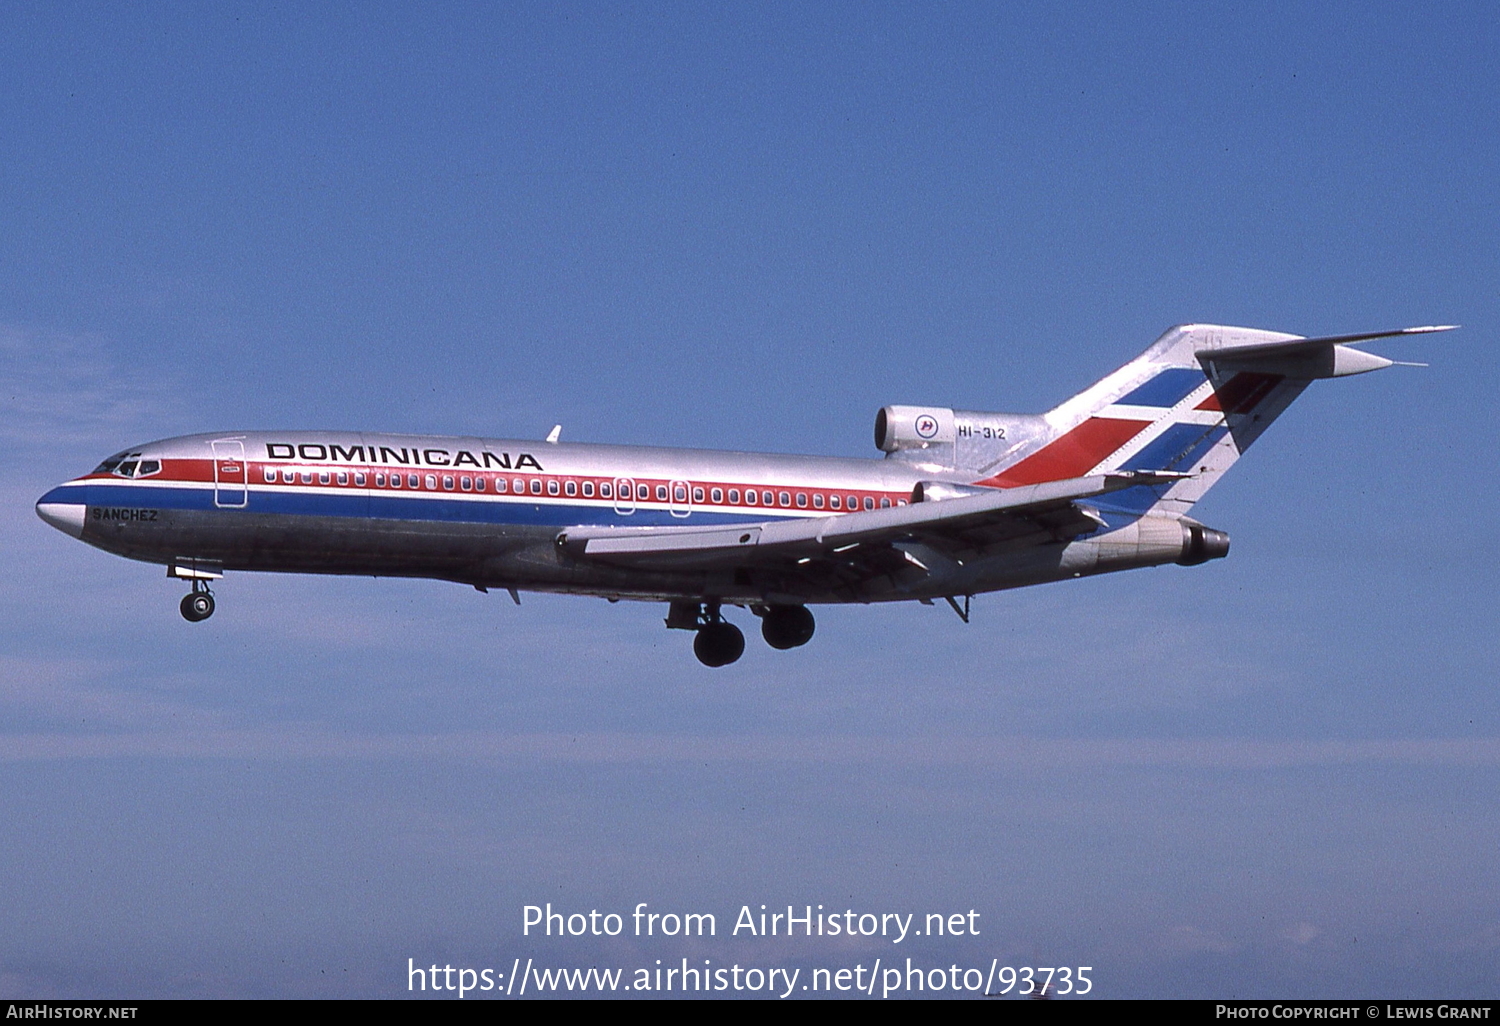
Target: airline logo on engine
column 927, row 425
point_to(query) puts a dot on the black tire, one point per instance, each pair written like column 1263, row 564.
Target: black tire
column 786, row 627
column 197, row 606
column 718, row 644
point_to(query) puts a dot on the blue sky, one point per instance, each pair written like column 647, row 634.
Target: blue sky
column 691, row 225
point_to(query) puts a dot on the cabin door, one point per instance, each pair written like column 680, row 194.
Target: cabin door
column 230, row 475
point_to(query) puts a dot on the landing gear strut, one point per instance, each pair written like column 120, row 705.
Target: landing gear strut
column 198, row 604
column 719, row 642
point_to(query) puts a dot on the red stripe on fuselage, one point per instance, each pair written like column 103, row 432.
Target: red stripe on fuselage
column 1072, row 455
column 802, row 499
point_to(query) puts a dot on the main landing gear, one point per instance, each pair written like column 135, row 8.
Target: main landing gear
column 198, row 604
column 720, row 642
column 786, row 627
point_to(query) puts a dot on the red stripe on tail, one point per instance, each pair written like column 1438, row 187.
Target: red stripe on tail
column 1072, row 455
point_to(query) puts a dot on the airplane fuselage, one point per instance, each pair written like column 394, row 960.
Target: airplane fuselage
column 487, row 512
column 964, row 502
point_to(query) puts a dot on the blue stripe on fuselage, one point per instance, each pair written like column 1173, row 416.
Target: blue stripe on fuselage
column 76, row 494
column 388, row 506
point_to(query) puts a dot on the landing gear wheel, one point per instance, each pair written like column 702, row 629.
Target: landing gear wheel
column 718, row 644
column 786, row 627
column 198, row 605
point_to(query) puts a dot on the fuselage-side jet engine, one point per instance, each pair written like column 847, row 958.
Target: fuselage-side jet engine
column 962, row 503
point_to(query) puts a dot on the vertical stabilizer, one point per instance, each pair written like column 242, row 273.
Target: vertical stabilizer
column 1192, row 403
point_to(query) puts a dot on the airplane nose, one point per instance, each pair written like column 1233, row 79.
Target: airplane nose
column 64, row 507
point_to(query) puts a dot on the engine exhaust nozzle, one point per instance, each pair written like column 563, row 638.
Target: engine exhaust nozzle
column 1200, row 544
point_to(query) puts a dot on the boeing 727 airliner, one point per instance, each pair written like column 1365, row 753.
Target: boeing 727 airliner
column 963, row 502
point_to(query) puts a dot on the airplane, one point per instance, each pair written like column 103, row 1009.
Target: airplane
column 962, row 503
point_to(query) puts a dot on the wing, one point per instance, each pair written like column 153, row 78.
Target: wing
column 844, row 549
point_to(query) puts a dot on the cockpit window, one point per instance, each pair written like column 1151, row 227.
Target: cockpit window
column 128, row 464
column 109, row 465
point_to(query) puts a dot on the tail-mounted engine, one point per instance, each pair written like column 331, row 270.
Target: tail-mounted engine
column 940, row 437
column 913, row 427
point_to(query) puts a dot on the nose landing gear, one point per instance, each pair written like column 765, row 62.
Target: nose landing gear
column 198, row 604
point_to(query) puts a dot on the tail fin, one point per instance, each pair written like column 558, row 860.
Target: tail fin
column 1191, row 403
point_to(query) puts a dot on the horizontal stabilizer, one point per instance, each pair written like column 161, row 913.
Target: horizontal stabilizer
column 1301, row 346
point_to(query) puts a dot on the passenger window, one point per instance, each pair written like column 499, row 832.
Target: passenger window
column 767, row 499
column 343, row 478
column 379, row 480
column 717, row 495
column 536, row 486
column 643, row 492
column 869, row 502
column 697, row 494
column 786, row 499
column 901, row 502
column 552, row 487
column 307, row 477
column 479, row 484
column 817, row 501
column 802, row 500
column 288, row 476
column 432, row 482
column 570, row 488
column 853, row 502
column 501, row 485
column 413, row 480
column 395, row 480
column 679, row 494
column 466, row 483
column 270, row 473
column 359, row 479
column 588, row 489
column 323, row 477
column 885, row 502
column 834, row 502
column 661, row 493
column 447, row 482
column 606, row 489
